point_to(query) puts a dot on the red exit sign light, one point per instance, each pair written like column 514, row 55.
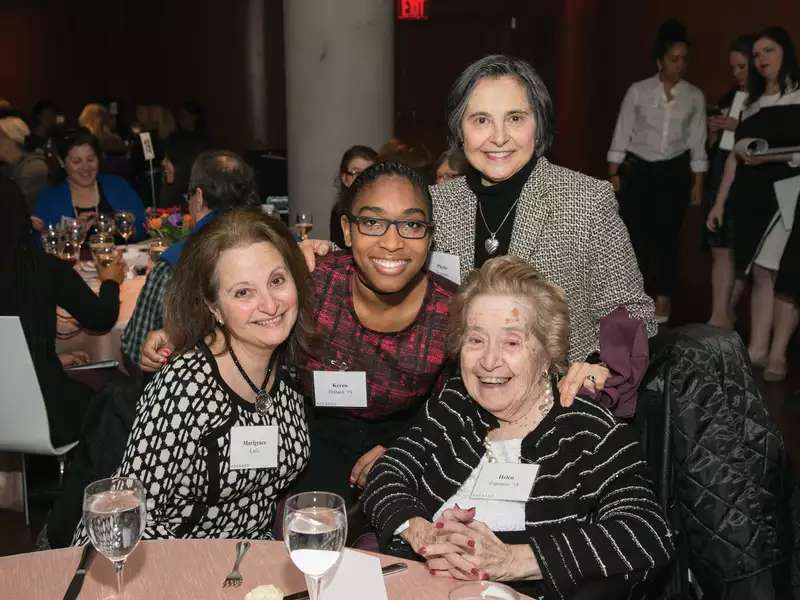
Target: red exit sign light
column 412, row 10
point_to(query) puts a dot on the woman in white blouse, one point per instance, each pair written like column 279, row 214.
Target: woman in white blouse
column 660, row 137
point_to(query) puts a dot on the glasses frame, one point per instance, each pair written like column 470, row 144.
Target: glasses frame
column 357, row 221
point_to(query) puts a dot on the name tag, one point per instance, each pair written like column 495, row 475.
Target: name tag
column 342, row 389
column 505, row 481
column 446, row 265
column 254, row 447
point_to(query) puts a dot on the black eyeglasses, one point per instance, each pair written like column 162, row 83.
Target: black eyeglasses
column 376, row 227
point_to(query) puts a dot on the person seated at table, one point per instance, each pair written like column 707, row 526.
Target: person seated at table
column 27, row 169
column 590, row 521
column 32, row 285
column 219, row 180
column 237, row 312
column 85, row 193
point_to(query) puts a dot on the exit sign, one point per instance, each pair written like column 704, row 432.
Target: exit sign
column 412, row 10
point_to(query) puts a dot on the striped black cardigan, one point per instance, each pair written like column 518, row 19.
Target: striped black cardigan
column 591, row 513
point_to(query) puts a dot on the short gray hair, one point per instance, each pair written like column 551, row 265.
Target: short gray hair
column 495, row 66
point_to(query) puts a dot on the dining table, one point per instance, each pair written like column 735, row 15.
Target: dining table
column 188, row 569
column 104, row 345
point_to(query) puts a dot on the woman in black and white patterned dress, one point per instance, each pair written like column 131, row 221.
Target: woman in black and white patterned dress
column 220, row 432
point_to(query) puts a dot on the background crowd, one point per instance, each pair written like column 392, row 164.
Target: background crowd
column 536, row 358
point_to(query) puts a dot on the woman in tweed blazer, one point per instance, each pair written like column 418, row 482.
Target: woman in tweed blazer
column 564, row 223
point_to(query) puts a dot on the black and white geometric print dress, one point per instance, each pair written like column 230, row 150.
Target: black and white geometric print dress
column 179, row 449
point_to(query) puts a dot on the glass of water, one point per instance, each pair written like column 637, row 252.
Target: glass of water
column 115, row 514
column 315, row 530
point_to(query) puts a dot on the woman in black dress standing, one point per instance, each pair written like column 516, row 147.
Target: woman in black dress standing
column 762, row 225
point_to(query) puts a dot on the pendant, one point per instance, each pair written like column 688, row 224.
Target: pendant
column 491, row 244
column 263, row 402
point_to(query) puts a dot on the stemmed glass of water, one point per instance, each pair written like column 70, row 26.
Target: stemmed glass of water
column 126, row 224
column 114, row 515
column 315, row 530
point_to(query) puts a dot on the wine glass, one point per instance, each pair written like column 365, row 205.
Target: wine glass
column 315, row 530
column 114, row 515
column 50, row 240
column 105, row 223
column 126, row 223
column 304, row 224
column 68, row 248
column 155, row 248
column 104, row 254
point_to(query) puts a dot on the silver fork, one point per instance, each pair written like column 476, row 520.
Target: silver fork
column 234, row 578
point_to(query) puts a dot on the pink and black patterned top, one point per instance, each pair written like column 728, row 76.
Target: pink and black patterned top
column 403, row 368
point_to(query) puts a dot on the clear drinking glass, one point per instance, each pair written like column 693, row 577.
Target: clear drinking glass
column 69, row 249
column 104, row 254
column 105, row 223
column 155, row 248
column 126, row 224
column 304, row 224
column 315, row 530
column 115, row 514
column 50, row 240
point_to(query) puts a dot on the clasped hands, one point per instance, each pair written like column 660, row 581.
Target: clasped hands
column 459, row 546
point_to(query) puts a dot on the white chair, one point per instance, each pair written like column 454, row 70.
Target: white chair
column 23, row 418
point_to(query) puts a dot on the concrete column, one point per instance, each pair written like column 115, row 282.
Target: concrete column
column 339, row 92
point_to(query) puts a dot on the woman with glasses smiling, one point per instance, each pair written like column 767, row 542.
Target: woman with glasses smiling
column 382, row 322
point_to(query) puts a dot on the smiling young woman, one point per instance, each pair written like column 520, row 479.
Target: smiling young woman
column 378, row 312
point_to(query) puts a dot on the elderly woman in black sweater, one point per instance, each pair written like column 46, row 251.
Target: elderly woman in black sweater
column 559, row 502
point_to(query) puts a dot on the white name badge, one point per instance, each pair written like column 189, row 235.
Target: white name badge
column 254, row 447
column 147, row 145
column 446, row 265
column 505, row 481
column 341, row 389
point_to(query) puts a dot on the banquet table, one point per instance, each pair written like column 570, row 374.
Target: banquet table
column 190, row 570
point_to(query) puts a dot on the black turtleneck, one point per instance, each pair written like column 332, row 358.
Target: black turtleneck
column 496, row 200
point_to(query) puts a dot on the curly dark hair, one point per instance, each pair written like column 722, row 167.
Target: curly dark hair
column 387, row 169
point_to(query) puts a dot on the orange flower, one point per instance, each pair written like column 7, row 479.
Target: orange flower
column 187, row 221
column 155, row 223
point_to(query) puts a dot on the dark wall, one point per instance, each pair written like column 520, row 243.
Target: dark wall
column 587, row 51
column 147, row 51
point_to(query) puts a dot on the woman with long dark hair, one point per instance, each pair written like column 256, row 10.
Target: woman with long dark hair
column 660, row 138
column 355, row 160
column 762, row 226
column 32, row 284
column 726, row 288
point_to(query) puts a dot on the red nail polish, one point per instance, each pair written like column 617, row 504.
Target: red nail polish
column 474, row 571
column 439, row 525
column 423, row 550
column 471, row 543
column 484, row 576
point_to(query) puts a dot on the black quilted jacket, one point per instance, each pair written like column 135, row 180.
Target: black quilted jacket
column 731, row 482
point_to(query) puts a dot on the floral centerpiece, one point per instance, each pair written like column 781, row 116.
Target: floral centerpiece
column 168, row 224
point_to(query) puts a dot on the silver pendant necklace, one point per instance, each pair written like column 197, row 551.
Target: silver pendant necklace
column 491, row 244
column 263, row 399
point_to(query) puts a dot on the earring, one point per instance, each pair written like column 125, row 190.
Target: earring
column 220, row 323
